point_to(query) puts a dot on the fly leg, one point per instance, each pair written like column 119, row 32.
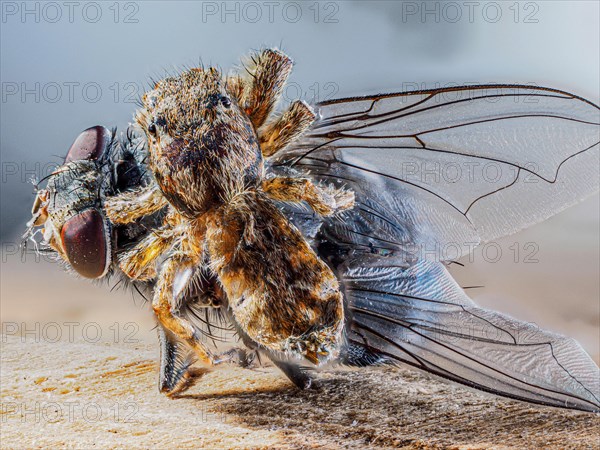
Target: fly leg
column 296, row 374
column 325, row 201
column 176, row 374
column 300, row 377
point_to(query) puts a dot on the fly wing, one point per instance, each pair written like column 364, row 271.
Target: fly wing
column 451, row 168
column 435, row 173
column 418, row 315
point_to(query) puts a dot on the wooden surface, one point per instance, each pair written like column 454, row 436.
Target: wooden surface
column 84, row 395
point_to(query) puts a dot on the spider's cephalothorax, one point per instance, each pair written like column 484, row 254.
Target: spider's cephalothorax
column 203, row 147
column 207, row 137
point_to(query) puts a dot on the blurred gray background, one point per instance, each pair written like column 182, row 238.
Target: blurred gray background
column 68, row 66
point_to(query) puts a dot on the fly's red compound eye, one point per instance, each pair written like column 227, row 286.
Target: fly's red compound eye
column 90, row 144
column 84, row 239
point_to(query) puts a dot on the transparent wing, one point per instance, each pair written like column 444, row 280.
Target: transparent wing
column 435, row 173
column 418, row 315
column 450, row 168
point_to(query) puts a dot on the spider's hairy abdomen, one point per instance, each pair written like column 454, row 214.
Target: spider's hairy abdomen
column 279, row 291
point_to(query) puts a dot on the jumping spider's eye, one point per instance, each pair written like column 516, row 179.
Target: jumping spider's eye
column 161, row 122
column 226, row 102
column 152, row 128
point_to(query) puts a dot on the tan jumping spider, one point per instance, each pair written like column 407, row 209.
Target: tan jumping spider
column 208, row 136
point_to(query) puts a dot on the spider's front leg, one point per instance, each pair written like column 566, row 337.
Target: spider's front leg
column 269, row 73
column 139, row 262
column 325, row 201
column 131, row 205
column 259, row 95
column 285, row 129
